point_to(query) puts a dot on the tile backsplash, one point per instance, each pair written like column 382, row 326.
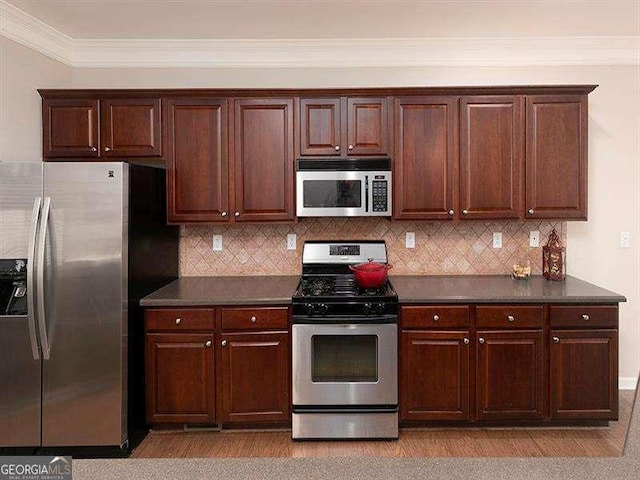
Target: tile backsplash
column 441, row 248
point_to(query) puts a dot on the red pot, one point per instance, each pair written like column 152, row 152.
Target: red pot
column 371, row 274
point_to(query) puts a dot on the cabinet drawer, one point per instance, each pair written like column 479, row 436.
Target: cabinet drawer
column 255, row 318
column 583, row 316
column 506, row 316
column 180, row 319
column 434, row 317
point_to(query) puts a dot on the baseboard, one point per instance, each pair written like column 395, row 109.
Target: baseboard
column 627, row 383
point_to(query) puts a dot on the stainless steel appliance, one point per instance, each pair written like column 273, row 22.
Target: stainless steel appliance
column 343, row 188
column 344, row 347
column 80, row 244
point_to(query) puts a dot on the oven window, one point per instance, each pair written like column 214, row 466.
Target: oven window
column 344, row 358
column 332, row 193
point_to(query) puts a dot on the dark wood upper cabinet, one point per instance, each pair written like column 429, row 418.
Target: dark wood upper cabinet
column 70, row 127
column 130, row 127
column 255, row 377
column 556, row 156
column 584, row 369
column 110, row 128
column 510, row 375
column 425, row 157
column 264, row 160
column 434, row 375
column 346, row 126
column 491, row 156
column 197, row 160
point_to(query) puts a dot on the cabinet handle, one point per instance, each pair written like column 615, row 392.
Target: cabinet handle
column 224, row 214
column 178, row 321
column 224, row 343
column 237, row 214
column 511, row 318
column 481, row 340
column 107, row 149
column 208, row 344
column 451, row 212
column 253, row 319
column 531, row 211
column 465, row 340
column 556, row 340
column 94, row 149
column 585, row 317
column 465, row 211
column 436, row 318
column 337, row 147
column 350, row 147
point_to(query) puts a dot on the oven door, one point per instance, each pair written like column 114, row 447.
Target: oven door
column 345, row 364
column 331, row 194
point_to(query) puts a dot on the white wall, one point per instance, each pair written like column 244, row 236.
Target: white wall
column 22, row 72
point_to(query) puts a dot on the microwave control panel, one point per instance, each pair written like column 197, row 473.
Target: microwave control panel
column 380, row 195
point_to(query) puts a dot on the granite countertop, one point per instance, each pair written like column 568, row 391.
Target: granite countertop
column 277, row 290
column 497, row 289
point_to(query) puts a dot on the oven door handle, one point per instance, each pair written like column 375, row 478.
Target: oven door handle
column 342, row 320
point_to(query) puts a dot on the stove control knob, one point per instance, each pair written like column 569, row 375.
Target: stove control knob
column 323, row 308
column 310, row 308
column 368, row 308
column 380, row 308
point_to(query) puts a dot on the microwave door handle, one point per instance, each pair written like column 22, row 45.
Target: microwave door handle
column 366, row 193
column 31, row 291
column 42, row 321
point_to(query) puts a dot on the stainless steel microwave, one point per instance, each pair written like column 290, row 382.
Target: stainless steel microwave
column 343, row 187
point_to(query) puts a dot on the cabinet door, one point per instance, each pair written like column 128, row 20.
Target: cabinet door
column 434, row 375
column 491, row 156
column 70, row 128
column 510, row 379
column 180, row 378
column 263, row 160
column 197, row 161
column 320, row 126
column 425, row 156
column 255, row 377
column 367, row 126
column 130, row 127
column 556, row 177
column 584, row 374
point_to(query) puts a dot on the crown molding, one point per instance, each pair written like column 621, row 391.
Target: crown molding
column 385, row 52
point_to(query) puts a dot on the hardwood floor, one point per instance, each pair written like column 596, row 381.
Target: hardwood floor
column 469, row 442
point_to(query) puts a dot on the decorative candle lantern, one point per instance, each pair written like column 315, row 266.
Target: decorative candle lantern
column 553, row 258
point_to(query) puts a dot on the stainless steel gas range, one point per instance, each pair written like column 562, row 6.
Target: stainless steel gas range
column 344, row 347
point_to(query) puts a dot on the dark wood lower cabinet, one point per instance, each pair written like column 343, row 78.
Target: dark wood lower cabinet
column 180, row 378
column 510, row 375
column 584, row 369
column 435, row 375
column 255, row 377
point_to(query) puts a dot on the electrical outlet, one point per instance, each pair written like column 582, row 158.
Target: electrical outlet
column 497, row 239
column 534, row 238
column 217, row 243
column 291, row 241
column 410, row 240
column 625, row 240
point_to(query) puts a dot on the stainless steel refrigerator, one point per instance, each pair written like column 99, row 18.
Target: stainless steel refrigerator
column 80, row 244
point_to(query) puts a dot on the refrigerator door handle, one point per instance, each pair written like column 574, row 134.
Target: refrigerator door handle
column 42, row 240
column 31, row 313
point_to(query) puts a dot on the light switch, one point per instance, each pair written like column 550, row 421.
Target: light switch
column 534, row 238
column 291, row 241
column 497, row 239
column 217, row 243
column 625, row 240
column 410, row 240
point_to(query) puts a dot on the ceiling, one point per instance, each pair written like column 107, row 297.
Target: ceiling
column 295, row 19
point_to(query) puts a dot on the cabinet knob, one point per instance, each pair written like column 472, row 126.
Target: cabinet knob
column 94, row 149
column 224, row 214
column 237, row 214
column 585, row 317
column 531, row 211
column 208, row 344
column 178, row 321
column 350, row 147
column 481, row 340
column 465, row 340
column 556, row 340
column 436, row 318
column 107, row 149
column 224, row 343
column 511, row 318
column 465, row 211
column 451, row 212
column 253, row 319
column 337, row 147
